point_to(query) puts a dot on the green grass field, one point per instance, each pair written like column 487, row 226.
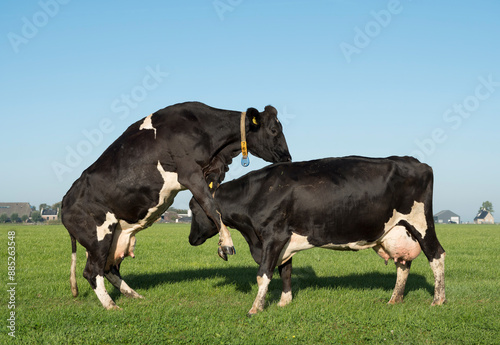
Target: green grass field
column 193, row 297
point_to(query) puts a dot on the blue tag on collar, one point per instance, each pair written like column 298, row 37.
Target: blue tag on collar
column 245, row 161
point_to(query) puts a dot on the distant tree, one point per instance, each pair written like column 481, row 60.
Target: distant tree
column 36, row 216
column 3, row 218
column 14, row 217
column 44, row 206
column 176, row 210
column 24, row 218
column 488, row 206
column 57, row 207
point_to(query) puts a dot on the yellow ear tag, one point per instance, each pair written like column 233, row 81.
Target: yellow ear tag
column 254, row 120
column 211, row 185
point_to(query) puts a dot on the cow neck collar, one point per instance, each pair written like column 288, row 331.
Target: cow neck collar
column 245, row 161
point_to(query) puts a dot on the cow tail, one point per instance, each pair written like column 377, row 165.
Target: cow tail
column 72, row 278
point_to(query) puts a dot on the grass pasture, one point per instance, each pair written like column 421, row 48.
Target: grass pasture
column 193, row 297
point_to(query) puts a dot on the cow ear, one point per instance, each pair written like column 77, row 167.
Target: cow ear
column 271, row 110
column 254, row 118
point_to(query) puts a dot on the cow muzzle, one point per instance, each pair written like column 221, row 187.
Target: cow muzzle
column 283, row 157
column 196, row 242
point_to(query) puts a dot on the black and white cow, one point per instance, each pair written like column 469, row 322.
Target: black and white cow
column 136, row 179
column 349, row 203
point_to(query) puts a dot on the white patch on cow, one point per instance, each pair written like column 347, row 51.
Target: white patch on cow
column 258, row 304
column 103, row 229
column 296, row 244
column 286, row 298
column 401, row 277
column 225, row 238
column 148, row 124
column 102, row 294
column 360, row 245
column 72, row 278
column 169, row 190
column 437, row 266
column 122, row 286
column 416, row 217
column 124, row 237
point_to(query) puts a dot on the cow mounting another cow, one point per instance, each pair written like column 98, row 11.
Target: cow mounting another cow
column 138, row 176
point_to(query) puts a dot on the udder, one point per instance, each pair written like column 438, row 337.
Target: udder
column 398, row 245
column 123, row 245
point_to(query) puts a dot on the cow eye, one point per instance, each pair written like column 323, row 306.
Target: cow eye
column 274, row 131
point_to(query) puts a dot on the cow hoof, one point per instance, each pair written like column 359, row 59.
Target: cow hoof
column 224, row 251
column 395, row 300
column 222, row 255
column 439, row 302
column 113, row 307
column 250, row 313
column 229, row 250
column 132, row 294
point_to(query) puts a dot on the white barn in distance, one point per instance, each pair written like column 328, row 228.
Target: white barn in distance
column 446, row 217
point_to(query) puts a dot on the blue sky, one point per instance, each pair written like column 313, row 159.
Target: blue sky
column 372, row 78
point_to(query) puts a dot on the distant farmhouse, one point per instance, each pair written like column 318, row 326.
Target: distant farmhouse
column 446, row 217
column 171, row 216
column 21, row 208
column 185, row 217
column 484, row 217
column 48, row 214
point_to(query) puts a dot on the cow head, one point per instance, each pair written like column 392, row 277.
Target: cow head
column 265, row 135
column 202, row 228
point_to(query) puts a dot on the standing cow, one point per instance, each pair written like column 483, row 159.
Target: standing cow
column 136, row 179
column 349, row 203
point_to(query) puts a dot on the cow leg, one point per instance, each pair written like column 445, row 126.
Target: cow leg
column 285, row 271
column 97, row 242
column 94, row 270
column 437, row 266
column 72, row 278
column 94, row 273
column 402, row 272
column 102, row 294
column 192, row 178
column 434, row 253
column 270, row 255
column 263, row 283
column 115, row 278
column 436, row 260
column 226, row 245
